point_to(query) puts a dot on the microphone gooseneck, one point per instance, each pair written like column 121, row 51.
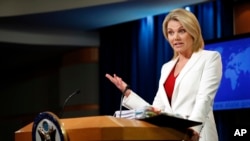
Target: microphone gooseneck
column 120, row 114
column 123, row 93
column 77, row 91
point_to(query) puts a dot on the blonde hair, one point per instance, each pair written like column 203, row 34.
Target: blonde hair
column 189, row 22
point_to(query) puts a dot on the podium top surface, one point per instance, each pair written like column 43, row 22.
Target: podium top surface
column 108, row 128
column 93, row 122
column 102, row 122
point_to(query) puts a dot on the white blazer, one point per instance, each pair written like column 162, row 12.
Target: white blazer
column 194, row 92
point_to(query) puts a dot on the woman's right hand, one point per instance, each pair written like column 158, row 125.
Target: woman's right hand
column 118, row 82
column 194, row 136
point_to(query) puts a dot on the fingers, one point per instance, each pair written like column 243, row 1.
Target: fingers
column 113, row 78
column 119, row 83
column 194, row 136
column 108, row 76
column 156, row 110
column 116, row 80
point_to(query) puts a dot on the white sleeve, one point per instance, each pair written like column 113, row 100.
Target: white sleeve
column 134, row 101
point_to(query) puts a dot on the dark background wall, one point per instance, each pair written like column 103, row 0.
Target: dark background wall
column 32, row 84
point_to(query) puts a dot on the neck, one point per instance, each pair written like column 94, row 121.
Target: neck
column 184, row 57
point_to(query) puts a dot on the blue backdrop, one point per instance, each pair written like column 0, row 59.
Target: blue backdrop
column 136, row 51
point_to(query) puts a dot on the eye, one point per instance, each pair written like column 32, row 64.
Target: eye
column 170, row 32
column 182, row 31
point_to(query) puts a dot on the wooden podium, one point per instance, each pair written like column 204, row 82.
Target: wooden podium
column 108, row 128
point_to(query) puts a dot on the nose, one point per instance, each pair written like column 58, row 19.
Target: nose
column 176, row 37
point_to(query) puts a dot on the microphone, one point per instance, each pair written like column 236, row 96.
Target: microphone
column 120, row 114
column 123, row 93
column 77, row 91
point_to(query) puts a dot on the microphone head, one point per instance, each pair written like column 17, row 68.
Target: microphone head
column 77, row 91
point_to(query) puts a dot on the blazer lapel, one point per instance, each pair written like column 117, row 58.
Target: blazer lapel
column 164, row 77
column 168, row 69
column 194, row 58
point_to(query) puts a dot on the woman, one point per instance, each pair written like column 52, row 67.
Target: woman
column 189, row 82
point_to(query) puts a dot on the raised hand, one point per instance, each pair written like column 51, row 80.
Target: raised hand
column 118, row 82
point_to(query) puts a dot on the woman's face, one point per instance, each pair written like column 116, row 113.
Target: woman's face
column 180, row 40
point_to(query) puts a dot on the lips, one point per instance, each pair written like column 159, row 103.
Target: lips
column 178, row 44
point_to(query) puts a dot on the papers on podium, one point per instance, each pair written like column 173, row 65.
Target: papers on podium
column 134, row 114
column 128, row 114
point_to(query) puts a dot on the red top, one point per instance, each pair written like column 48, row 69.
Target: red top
column 169, row 85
